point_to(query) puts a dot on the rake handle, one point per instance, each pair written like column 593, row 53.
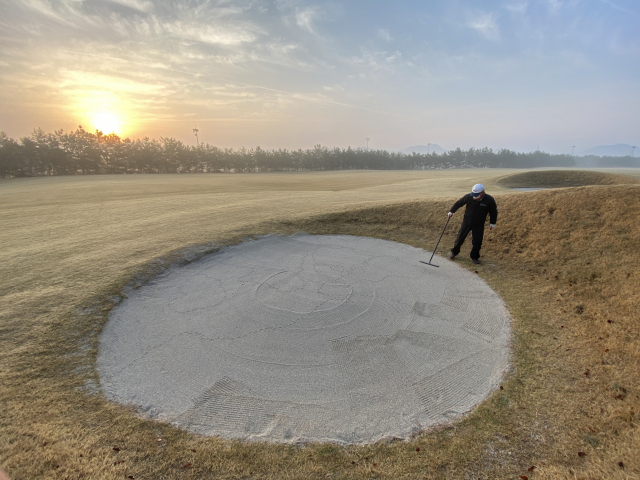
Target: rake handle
column 434, row 250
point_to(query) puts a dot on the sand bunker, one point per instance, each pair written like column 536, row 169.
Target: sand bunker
column 307, row 338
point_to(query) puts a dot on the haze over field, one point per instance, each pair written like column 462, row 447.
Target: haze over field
column 292, row 73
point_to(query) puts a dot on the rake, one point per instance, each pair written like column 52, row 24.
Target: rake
column 434, row 250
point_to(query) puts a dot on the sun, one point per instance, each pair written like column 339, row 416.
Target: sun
column 107, row 122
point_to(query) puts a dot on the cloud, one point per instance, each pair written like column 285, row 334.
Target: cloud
column 486, row 25
column 384, row 34
column 223, row 25
column 289, row 55
column 140, row 5
column 75, row 80
column 394, row 57
column 517, row 7
column 305, row 18
column 373, row 65
column 64, row 13
column 554, row 6
column 181, row 54
column 207, row 33
column 618, row 7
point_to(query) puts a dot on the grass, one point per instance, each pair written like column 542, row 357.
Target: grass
column 563, row 178
column 563, row 260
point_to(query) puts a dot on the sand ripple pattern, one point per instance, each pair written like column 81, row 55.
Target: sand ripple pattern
column 307, row 338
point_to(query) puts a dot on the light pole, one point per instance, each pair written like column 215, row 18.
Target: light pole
column 195, row 132
column 367, row 139
column 428, row 148
column 572, row 147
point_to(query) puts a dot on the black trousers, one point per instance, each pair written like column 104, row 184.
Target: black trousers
column 477, row 234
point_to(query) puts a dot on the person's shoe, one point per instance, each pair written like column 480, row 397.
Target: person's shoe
column 476, row 261
column 452, row 257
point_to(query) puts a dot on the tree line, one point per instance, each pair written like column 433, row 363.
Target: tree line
column 82, row 152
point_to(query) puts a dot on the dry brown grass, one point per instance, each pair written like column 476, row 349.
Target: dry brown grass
column 563, row 260
column 563, row 178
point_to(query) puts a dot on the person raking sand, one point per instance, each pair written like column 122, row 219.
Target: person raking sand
column 478, row 206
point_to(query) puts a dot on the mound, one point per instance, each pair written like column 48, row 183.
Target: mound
column 562, row 178
column 565, row 261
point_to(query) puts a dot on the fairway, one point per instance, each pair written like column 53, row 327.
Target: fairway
column 564, row 261
column 63, row 237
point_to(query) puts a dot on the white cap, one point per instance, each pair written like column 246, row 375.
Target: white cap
column 477, row 189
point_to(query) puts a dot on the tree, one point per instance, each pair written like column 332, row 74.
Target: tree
column 11, row 159
column 62, row 153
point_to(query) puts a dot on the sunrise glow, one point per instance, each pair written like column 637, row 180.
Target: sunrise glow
column 517, row 74
column 107, row 122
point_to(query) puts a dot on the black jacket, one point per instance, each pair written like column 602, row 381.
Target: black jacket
column 477, row 210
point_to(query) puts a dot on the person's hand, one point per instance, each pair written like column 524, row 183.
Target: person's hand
column 449, row 214
column 492, row 226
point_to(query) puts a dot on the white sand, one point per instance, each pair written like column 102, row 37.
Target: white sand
column 308, row 338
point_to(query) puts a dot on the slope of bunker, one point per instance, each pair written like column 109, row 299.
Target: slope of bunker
column 563, row 179
column 307, row 338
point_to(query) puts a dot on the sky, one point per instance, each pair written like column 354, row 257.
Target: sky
column 517, row 74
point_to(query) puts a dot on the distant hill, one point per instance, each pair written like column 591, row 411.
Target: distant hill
column 619, row 150
column 434, row 147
